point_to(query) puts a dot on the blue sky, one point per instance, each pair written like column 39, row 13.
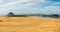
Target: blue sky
column 30, row 6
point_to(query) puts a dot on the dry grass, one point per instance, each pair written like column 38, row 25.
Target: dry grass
column 29, row 24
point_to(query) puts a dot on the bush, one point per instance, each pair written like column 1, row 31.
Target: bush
column 10, row 14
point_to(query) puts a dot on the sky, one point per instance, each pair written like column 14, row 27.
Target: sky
column 30, row 6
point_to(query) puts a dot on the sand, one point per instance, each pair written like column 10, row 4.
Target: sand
column 29, row 24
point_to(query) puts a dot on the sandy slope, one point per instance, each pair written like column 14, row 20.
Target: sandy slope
column 29, row 24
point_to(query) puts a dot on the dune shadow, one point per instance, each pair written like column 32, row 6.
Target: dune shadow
column 1, row 21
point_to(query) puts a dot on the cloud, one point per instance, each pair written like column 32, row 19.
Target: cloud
column 52, row 10
column 30, row 6
column 18, row 4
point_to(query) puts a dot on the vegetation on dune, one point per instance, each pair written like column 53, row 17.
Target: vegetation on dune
column 11, row 14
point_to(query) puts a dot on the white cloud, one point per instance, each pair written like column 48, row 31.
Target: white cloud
column 27, row 6
column 17, row 4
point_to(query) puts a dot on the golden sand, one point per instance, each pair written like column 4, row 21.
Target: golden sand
column 29, row 24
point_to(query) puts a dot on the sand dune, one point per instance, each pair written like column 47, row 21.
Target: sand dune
column 29, row 24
